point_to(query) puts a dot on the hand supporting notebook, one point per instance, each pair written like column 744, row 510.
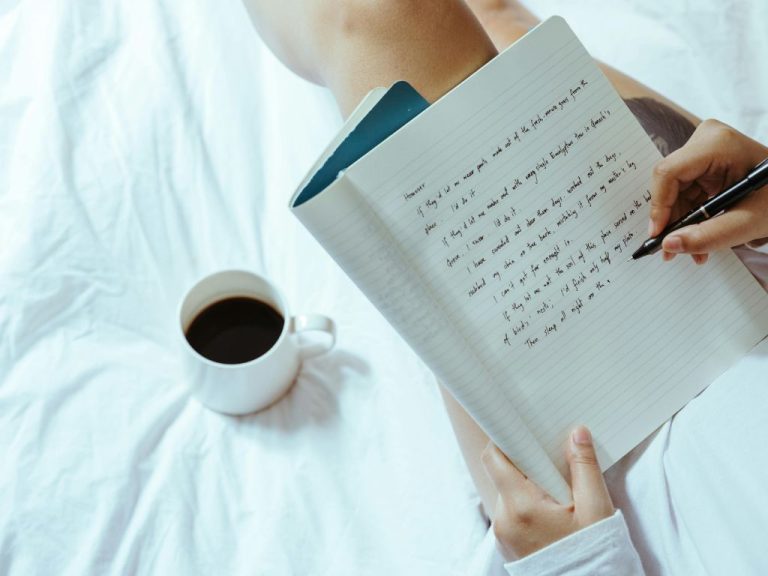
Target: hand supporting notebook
column 527, row 518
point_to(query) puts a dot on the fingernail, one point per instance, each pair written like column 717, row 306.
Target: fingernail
column 651, row 227
column 673, row 244
column 700, row 258
column 581, row 436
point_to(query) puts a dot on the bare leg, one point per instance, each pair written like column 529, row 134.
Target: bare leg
column 352, row 46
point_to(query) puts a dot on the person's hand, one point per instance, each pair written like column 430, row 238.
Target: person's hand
column 715, row 157
column 527, row 518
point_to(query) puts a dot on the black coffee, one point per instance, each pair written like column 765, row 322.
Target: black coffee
column 235, row 330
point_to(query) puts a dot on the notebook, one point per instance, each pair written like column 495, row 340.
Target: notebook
column 494, row 228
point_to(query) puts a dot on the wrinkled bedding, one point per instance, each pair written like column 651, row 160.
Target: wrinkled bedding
column 144, row 144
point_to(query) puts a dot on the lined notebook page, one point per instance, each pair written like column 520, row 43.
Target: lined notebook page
column 517, row 200
column 343, row 222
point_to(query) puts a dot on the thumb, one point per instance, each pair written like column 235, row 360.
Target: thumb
column 590, row 495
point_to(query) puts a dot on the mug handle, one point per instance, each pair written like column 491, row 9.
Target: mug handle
column 314, row 323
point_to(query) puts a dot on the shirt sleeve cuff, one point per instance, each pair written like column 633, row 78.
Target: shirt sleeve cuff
column 603, row 548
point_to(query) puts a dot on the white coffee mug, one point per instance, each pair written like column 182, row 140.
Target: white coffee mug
column 249, row 386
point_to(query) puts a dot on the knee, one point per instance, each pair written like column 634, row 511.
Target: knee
column 378, row 19
column 354, row 17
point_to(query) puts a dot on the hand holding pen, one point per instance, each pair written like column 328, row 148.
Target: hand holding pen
column 714, row 159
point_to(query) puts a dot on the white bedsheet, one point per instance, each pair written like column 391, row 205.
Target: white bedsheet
column 144, row 143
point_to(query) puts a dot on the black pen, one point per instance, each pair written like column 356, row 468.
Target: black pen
column 755, row 180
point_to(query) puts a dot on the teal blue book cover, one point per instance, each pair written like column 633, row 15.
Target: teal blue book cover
column 399, row 105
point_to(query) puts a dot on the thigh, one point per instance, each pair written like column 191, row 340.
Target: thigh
column 353, row 46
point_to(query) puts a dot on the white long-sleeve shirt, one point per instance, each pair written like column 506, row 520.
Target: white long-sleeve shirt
column 602, row 549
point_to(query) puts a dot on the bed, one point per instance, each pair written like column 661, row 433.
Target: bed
column 144, row 144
